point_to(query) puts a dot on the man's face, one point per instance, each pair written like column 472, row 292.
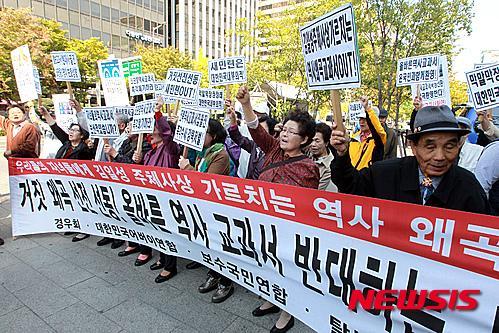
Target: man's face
column 318, row 146
column 16, row 115
column 436, row 152
column 382, row 120
column 122, row 127
column 363, row 125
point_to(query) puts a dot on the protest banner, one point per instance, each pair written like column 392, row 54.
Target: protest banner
column 225, row 71
column 159, row 91
column 132, row 66
column 435, row 93
column 141, row 84
column 143, row 117
column 305, row 250
column 210, row 99
column 23, row 71
column 66, row 66
column 113, row 82
column 102, row 122
column 484, row 87
column 38, row 85
column 126, row 110
column 64, row 113
column 355, row 109
column 420, row 69
column 482, row 65
column 191, row 127
column 182, row 85
column 329, row 45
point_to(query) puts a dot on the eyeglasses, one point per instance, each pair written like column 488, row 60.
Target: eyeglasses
column 289, row 132
column 74, row 130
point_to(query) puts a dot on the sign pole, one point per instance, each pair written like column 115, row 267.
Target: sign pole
column 418, row 91
column 177, row 106
column 169, row 110
column 39, row 99
column 227, row 91
column 140, row 140
column 70, row 90
column 185, row 152
column 336, row 106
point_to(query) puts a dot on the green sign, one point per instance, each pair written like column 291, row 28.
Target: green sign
column 132, row 66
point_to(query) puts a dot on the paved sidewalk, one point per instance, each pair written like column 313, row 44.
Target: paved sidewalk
column 48, row 283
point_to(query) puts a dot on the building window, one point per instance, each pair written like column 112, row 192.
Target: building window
column 96, row 33
column 115, row 15
column 95, row 9
column 147, row 3
column 74, row 31
column 115, row 40
column 85, row 6
column 62, row 3
column 106, row 15
column 73, row 5
column 86, row 33
column 147, row 25
column 161, row 6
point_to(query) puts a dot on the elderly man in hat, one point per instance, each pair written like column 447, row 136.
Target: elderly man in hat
column 430, row 177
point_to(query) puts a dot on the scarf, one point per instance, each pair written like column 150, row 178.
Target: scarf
column 205, row 156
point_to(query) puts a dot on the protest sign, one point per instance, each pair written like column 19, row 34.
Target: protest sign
column 482, row 65
column 355, row 109
column 329, row 45
column 438, row 92
column 182, row 85
column 38, row 85
column 418, row 69
column 66, row 66
column 23, row 71
column 159, row 91
column 64, row 113
column 305, row 250
column 210, row 99
column 126, row 110
column 143, row 117
column 132, row 66
column 191, row 127
column 227, row 71
column 484, row 86
column 141, row 84
column 102, row 122
column 113, row 82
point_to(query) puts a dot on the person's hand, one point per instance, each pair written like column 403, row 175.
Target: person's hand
column 364, row 100
column 183, row 163
column 278, row 128
column 109, row 150
column 7, row 154
column 340, row 141
column 418, row 103
column 483, row 119
column 89, row 143
column 243, row 96
column 75, row 105
column 231, row 113
column 43, row 111
column 173, row 119
column 137, row 157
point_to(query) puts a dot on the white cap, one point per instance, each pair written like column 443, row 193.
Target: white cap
column 363, row 114
column 260, row 107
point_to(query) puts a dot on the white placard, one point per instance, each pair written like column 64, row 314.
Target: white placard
column 355, row 109
column 38, row 85
column 113, row 82
column 126, row 110
column 435, row 93
column 228, row 70
column 64, row 114
column 191, row 127
column 143, row 117
column 484, row 86
column 141, row 84
column 159, row 91
column 420, row 69
column 66, row 66
column 211, row 99
column 23, row 71
column 102, row 122
column 329, row 45
column 182, row 85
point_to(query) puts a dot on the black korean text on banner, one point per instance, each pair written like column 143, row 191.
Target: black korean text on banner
column 191, row 127
column 102, row 122
column 226, row 71
column 329, row 45
column 126, row 110
column 159, row 91
column 354, row 111
column 438, row 92
column 141, row 84
column 23, row 71
column 66, row 66
column 182, row 85
column 418, row 69
column 484, row 86
column 143, row 117
column 211, row 99
column 306, row 251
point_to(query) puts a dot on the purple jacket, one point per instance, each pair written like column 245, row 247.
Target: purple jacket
column 168, row 154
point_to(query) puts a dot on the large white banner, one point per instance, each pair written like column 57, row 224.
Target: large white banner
column 420, row 69
column 329, row 45
column 435, row 93
column 23, row 71
column 64, row 113
column 307, row 251
column 102, row 122
column 483, row 84
column 113, row 82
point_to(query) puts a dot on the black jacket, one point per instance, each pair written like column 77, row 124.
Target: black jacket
column 125, row 153
column 81, row 152
column 398, row 180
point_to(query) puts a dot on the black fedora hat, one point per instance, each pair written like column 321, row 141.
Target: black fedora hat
column 435, row 119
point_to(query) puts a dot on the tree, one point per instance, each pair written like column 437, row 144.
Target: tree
column 200, row 64
column 159, row 60
column 458, row 91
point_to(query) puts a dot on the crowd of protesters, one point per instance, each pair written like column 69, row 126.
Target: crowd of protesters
column 446, row 170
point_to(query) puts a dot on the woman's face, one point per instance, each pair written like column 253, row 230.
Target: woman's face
column 208, row 140
column 156, row 137
column 75, row 134
column 289, row 138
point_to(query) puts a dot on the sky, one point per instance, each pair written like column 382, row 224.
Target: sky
column 485, row 36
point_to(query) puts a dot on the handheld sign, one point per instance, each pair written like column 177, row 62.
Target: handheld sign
column 113, row 82
column 211, row 99
column 226, row 71
column 23, row 71
column 126, row 110
column 329, row 45
column 435, row 93
column 132, row 66
column 418, row 69
column 141, row 84
column 64, row 114
column 66, row 66
column 182, row 85
column 102, row 122
column 484, row 86
column 191, row 127
column 143, row 117
column 355, row 109
column 38, row 85
column 159, row 91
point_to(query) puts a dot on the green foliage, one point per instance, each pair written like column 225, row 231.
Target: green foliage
column 200, row 64
column 458, row 91
column 159, row 60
